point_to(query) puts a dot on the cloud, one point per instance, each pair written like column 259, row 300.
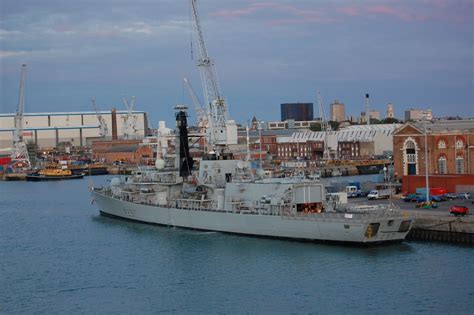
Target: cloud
column 9, row 53
column 296, row 15
column 414, row 11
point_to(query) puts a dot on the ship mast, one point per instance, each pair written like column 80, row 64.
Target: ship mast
column 325, row 126
column 20, row 151
column 216, row 105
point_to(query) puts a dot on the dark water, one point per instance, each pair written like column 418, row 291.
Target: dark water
column 57, row 255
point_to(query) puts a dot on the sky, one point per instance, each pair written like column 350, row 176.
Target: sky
column 412, row 53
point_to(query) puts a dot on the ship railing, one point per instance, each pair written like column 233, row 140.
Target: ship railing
column 329, row 216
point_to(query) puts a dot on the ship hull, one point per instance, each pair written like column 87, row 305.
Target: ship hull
column 319, row 227
column 40, row 178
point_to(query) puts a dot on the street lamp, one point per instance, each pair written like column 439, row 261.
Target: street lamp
column 425, row 118
column 387, row 178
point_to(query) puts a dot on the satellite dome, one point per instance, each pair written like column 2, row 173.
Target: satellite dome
column 159, row 164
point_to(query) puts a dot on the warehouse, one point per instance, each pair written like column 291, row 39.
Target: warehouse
column 47, row 130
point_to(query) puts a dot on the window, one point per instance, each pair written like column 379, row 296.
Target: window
column 442, row 165
column 459, row 165
column 441, row 144
column 459, row 144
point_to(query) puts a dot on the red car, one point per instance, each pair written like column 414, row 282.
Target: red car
column 458, row 210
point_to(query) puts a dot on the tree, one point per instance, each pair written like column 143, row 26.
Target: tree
column 389, row 120
column 315, row 127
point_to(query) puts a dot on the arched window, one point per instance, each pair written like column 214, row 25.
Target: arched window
column 459, row 164
column 442, row 165
column 459, row 144
column 441, row 144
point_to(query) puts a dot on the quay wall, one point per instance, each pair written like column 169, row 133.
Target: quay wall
column 443, row 229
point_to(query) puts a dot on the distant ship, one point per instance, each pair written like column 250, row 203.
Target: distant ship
column 226, row 196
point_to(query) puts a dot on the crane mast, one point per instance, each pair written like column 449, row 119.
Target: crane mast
column 129, row 127
column 217, row 108
column 20, row 151
column 202, row 120
column 102, row 124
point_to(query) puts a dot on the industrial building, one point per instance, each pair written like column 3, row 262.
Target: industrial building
column 353, row 142
column 47, row 130
column 297, row 111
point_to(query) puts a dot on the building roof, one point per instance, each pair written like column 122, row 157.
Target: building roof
column 70, row 113
column 439, row 126
column 360, row 133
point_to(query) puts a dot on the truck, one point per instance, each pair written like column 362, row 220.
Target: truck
column 378, row 194
column 353, row 191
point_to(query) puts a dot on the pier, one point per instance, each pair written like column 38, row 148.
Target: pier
column 442, row 228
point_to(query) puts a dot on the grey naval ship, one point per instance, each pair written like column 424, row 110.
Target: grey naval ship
column 226, row 195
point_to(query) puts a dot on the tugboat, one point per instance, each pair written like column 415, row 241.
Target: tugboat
column 53, row 173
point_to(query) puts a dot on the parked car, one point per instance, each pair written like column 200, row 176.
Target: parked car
column 427, row 205
column 410, row 198
column 459, row 210
column 449, row 196
column 432, row 198
column 464, row 195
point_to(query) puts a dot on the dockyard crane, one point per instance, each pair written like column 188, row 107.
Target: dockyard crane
column 103, row 130
column 325, row 126
column 20, row 151
column 201, row 116
column 130, row 123
column 217, row 111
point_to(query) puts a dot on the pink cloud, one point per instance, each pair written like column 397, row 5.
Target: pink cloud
column 421, row 11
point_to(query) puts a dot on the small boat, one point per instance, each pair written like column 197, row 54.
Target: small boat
column 89, row 169
column 53, row 174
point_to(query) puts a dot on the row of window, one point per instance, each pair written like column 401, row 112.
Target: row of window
column 442, row 144
column 442, row 168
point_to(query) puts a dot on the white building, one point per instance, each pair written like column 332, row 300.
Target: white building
column 46, row 130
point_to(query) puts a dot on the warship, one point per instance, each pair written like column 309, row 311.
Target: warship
column 226, row 195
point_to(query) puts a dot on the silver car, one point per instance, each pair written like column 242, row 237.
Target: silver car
column 464, row 195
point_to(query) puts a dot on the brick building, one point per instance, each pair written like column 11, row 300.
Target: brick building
column 450, row 145
column 127, row 151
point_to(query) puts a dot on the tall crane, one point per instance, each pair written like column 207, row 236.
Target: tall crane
column 202, row 120
column 217, row 108
column 20, row 151
column 130, row 124
column 325, row 126
column 103, row 130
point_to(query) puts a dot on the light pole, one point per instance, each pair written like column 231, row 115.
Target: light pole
column 387, row 178
column 260, row 122
column 425, row 117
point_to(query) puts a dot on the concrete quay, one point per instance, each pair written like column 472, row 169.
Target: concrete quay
column 435, row 224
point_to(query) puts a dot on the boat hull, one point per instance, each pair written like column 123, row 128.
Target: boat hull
column 318, row 227
column 39, row 178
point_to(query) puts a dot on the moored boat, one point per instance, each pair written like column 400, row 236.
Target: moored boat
column 48, row 174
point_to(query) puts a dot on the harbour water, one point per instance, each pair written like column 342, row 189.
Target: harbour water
column 57, row 255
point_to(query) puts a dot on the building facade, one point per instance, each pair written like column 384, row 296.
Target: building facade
column 297, row 111
column 450, row 148
column 389, row 111
column 417, row 114
column 338, row 111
